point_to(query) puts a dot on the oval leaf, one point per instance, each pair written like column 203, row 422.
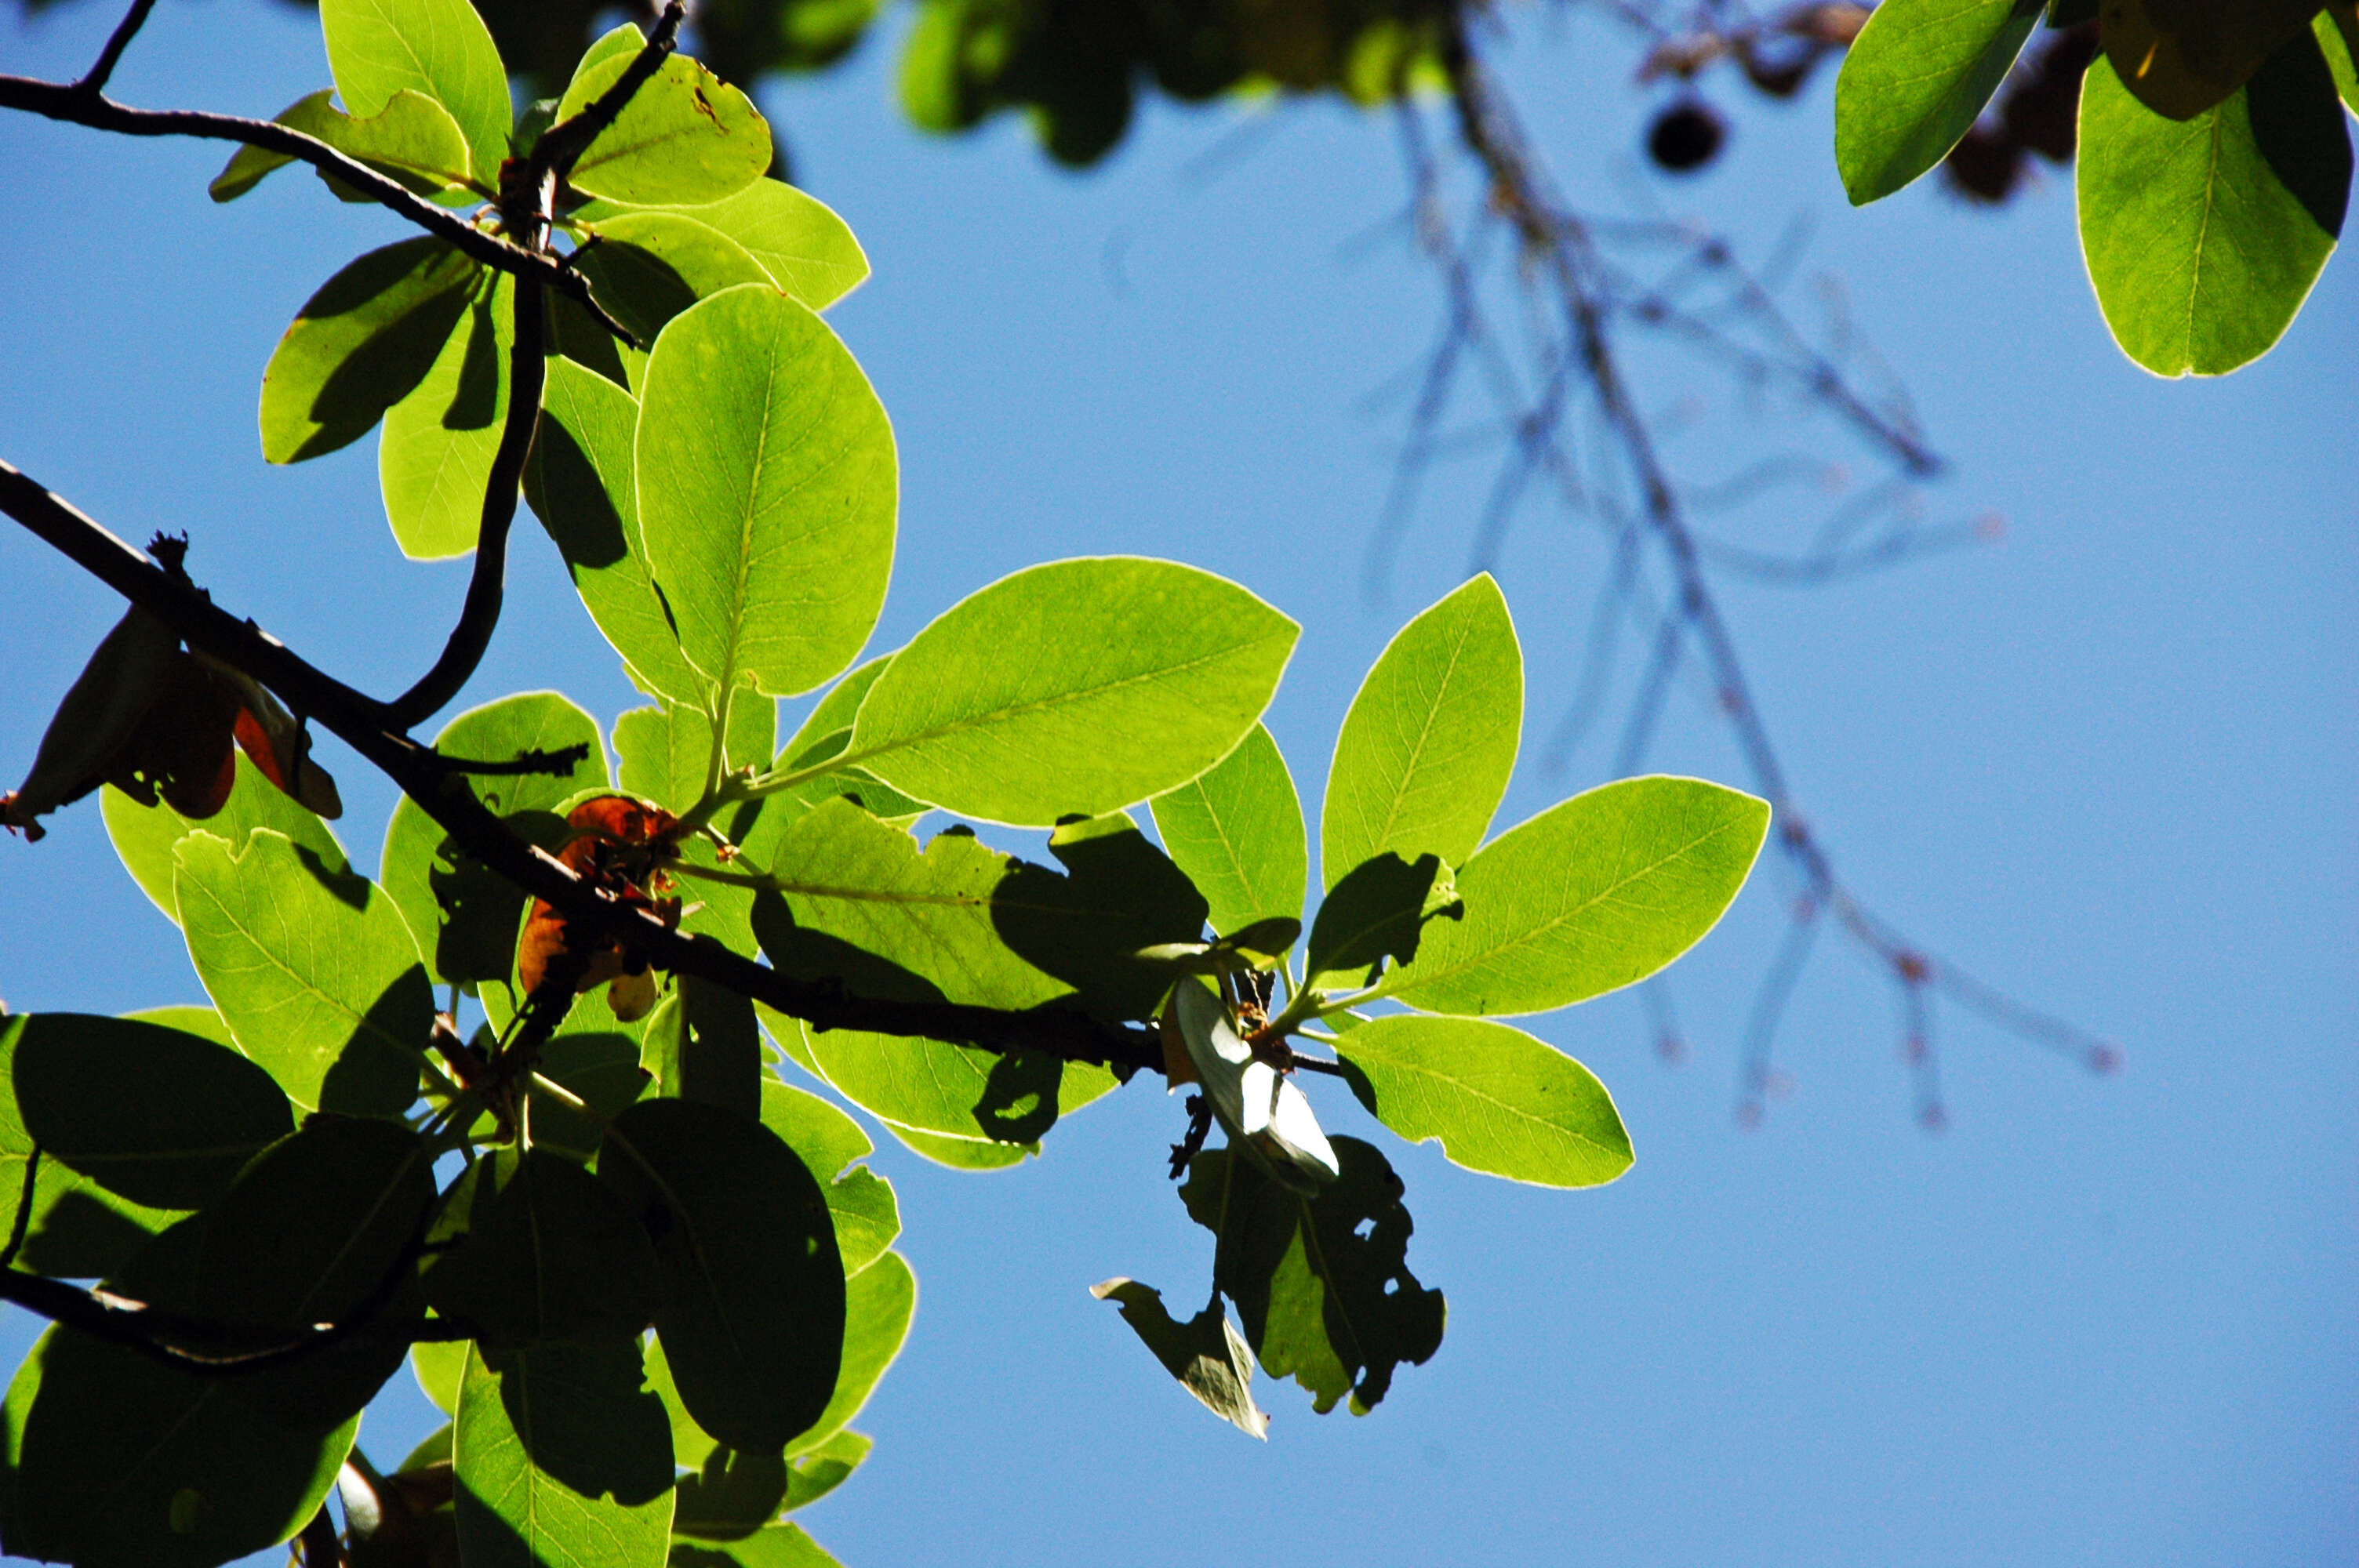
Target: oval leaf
column 751, row 1311
column 582, row 484
column 363, row 342
column 685, row 138
column 314, row 971
column 647, row 267
column 544, row 1251
column 77, row 1230
column 1495, row 1099
column 798, row 239
column 1915, row 80
column 440, row 47
column 767, row 489
column 1426, row 751
column 1236, row 831
column 434, row 458
column 2203, row 237
column 414, row 140
column 1137, row 676
column 560, row 1458
column 1587, row 897
column 146, row 836
column 465, row 917
column 880, row 1303
column 164, row 1119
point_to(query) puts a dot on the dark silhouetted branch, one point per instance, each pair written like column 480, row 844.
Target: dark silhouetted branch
column 95, row 80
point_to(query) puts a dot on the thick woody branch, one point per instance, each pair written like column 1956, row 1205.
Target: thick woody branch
column 75, row 105
column 362, row 723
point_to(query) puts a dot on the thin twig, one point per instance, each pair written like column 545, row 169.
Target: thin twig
column 562, row 145
column 18, row 1226
column 69, row 103
column 95, row 80
column 532, row 763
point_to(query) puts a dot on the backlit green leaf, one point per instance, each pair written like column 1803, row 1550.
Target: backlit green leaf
column 1591, row 896
column 773, row 1546
column 2337, row 29
column 77, row 1228
column 1424, row 752
column 2203, row 237
column 867, row 1216
column 752, row 1306
column 144, row 835
column 439, row 1366
column 1138, row 676
column 1206, row 1354
column 442, row 48
column 879, row 1302
column 2181, row 58
column 434, row 459
column 561, row 1459
column 367, row 340
column 582, row 484
column 686, row 138
column 702, row 1044
column 314, row 971
column 543, row 1251
column 1914, row 82
column 647, row 268
column 807, row 250
column 963, row 1153
column 118, row 1461
column 1495, row 1099
column 465, row 918
column 164, row 1119
column 665, row 750
column 767, row 490
column 414, row 140
column 1236, row 831
column 1322, row 1285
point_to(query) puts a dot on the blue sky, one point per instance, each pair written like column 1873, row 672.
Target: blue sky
column 2107, row 764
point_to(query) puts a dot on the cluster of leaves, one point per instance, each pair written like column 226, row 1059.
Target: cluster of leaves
column 2214, row 160
column 651, row 1281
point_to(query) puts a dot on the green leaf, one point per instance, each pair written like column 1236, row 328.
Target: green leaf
column 144, row 835
column 164, row 1119
column 665, row 750
column 1914, row 82
column 1142, row 674
column 2337, row 29
column 867, row 1216
column 314, row 971
column 1380, row 911
column 1427, row 748
column 1206, row 1354
column 582, row 484
column 2181, row 58
column 962, row 1153
column 414, row 140
column 773, row 1546
column 733, row 1496
column 364, row 342
column 442, row 48
column 808, row 251
column 863, row 903
column 647, row 268
column 1236, row 831
column 767, row 490
column 438, row 1365
column 77, row 1230
column 117, row 1461
column 1495, row 1099
column 544, row 1251
column 2203, row 237
column 1321, row 1284
column 1589, row 896
column 750, row 1312
column 815, row 1472
column 560, row 1459
column 702, row 1044
column 319, row 1228
column 434, row 459
column 685, row 138
column 465, row 917
column 879, row 1303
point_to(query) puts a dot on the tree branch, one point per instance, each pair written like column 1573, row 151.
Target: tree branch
column 562, row 145
column 94, row 81
column 72, row 103
column 363, row 723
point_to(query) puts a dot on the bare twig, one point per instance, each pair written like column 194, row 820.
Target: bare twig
column 535, row 762
column 562, row 145
column 95, row 80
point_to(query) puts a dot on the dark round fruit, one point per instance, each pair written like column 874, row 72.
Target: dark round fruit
column 1685, row 137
